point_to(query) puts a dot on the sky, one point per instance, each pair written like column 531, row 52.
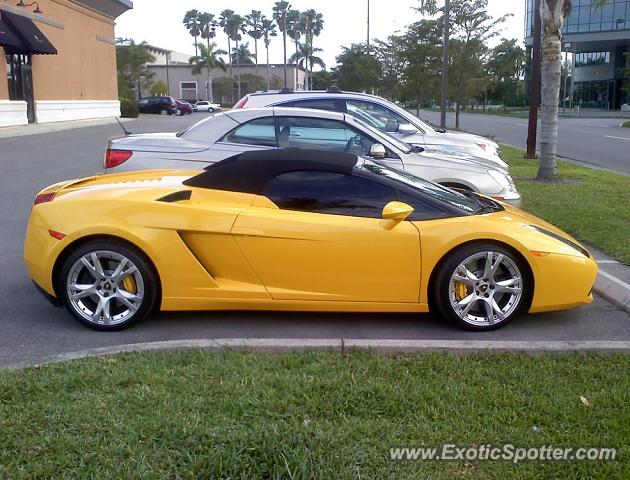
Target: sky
column 159, row 22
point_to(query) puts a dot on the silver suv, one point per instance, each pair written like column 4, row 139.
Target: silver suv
column 381, row 114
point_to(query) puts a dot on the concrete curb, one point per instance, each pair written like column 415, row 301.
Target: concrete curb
column 380, row 346
column 614, row 290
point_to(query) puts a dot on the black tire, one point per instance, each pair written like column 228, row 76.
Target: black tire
column 149, row 280
column 440, row 296
column 210, row 110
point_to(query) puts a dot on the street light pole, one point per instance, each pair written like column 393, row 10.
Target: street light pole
column 368, row 26
column 534, row 92
column 447, row 21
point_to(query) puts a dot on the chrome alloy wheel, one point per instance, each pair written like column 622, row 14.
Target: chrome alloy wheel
column 105, row 287
column 486, row 288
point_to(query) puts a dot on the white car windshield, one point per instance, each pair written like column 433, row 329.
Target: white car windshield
column 384, row 137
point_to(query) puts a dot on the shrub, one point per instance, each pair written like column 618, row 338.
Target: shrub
column 128, row 108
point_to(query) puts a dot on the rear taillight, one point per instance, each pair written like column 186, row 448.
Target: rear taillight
column 242, row 102
column 483, row 146
column 44, row 197
column 113, row 158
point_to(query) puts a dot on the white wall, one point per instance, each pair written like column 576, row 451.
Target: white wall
column 47, row 111
column 12, row 113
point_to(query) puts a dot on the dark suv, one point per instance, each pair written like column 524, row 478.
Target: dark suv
column 162, row 105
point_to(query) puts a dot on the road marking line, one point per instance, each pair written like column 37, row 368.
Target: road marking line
column 607, row 262
column 617, row 138
column 522, row 124
column 614, row 279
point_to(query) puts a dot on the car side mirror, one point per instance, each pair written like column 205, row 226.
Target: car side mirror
column 397, row 211
column 377, row 151
column 407, row 129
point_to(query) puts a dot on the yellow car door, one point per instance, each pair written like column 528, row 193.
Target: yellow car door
column 321, row 236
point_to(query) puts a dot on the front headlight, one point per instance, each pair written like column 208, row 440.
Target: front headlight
column 503, row 179
column 560, row 238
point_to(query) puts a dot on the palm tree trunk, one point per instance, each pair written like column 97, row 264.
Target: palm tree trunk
column 268, row 72
column 551, row 76
column 256, row 55
column 238, row 70
column 284, row 40
column 230, row 58
column 209, row 81
column 457, row 115
column 296, row 64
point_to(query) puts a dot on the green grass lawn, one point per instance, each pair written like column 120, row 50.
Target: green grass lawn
column 592, row 205
column 315, row 415
column 626, row 124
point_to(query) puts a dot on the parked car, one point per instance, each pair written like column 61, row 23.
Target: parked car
column 236, row 131
column 161, row 105
column 379, row 113
column 204, row 106
column 295, row 230
column 183, row 107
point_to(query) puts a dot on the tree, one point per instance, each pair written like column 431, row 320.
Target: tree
column 268, row 29
column 254, row 21
column 472, row 27
column 357, row 69
column 295, row 29
column 208, row 58
column 242, row 54
column 280, row 12
column 552, row 16
column 193, row 25
column 236, row 26
column 505, row 68
column 313, row 26
column 306, row 56
column 133, row 74
column 159, row 88
column 208, row 27
column 225, row 22
column 323, row 80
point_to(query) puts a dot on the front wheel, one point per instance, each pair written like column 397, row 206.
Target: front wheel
column 107, row 285
column 210, row 110
column 482, row 287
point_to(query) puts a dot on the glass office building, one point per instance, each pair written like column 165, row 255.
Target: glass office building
column 597, row 39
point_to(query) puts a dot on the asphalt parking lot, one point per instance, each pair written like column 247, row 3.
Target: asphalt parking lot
column 33, row 330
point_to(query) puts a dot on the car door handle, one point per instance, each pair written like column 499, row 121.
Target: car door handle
column 251, row 232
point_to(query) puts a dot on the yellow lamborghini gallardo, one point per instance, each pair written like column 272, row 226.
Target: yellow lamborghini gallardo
column 295, row 230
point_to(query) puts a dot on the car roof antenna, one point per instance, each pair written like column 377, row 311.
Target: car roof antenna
column 127, row 132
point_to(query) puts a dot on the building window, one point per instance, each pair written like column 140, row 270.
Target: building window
column 14, row 75
column 591, row 58
column 188, row 91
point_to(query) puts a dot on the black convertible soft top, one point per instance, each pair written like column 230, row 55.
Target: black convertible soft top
column 249, row 172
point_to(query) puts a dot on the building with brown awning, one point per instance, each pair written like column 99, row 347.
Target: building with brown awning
column 60, row 58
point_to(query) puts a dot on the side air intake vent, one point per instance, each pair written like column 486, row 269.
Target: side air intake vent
column 176, row 196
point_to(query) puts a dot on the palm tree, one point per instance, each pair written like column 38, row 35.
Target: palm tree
column 313, row 26
column 254, row 21
column 208, row 27
column 268, row 29
column 235, row 27
column 193, row 25
column 133, row 74
column 208, row 58
column 242, row 54
column 280, row 11
column 225, row 20
column 295, row 29
column 305, row 55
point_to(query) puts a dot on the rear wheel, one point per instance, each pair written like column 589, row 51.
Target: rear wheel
column 211, row 110
column 107, row 285
column 482, row 287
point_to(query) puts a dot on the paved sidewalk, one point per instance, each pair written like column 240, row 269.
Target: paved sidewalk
column 36, row 128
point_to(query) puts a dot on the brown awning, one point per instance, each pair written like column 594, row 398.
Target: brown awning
column 32, row 40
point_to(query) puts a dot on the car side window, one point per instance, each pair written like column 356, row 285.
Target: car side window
column 422, row 210
column 376, row 115
column 143, row 101
column 319, row 104
column 261, row 131
column 329, row 193
column 321, row 134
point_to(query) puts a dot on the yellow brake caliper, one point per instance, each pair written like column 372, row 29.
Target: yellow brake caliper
column 130, row 284
column 461, row 291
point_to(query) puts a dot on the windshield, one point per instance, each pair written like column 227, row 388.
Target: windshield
column 464, row 202
column 384, row 137
column 412, row 118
